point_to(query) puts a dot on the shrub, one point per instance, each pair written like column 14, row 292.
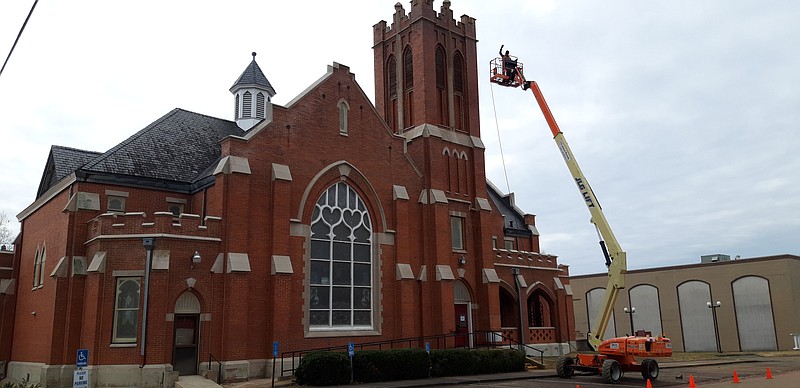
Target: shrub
column 324, row 368
column 387, row 365
column 462, row 362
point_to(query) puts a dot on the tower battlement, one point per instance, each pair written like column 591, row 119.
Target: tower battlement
column 424, row 9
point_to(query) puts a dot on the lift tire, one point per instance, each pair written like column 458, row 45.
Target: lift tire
column 564, row 367
column 612, row 371
column 649, row 369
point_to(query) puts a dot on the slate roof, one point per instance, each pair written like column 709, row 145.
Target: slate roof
column 178, row 147
column 253, row 76
column 181, row 147
column 62, row 162
column 513, row 219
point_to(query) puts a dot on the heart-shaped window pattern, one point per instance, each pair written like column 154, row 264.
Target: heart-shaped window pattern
column 341, row 271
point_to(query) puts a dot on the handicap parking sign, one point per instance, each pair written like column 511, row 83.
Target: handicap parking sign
column 82, row 359
column 351, row 349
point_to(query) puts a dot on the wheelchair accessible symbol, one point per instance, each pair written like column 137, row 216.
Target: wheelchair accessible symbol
column 82, row 359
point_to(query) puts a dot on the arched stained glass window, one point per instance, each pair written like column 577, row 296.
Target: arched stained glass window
column 341, row 284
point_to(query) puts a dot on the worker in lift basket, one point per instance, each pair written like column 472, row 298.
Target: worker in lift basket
column 509, row 66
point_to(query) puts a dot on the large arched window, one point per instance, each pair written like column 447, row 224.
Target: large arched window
column 341, row 262
column 126, row 310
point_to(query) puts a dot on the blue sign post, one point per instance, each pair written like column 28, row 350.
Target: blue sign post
column 351, row 351
column 274, row 359
column 80, row 378
column 428, row 347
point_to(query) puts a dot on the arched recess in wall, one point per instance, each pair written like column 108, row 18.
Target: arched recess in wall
column 542, row 316
column 697, row 323
column 463, row 175
column 461, row 292
column 187, row 303
column 448, row 168
column 647, row 317
column 754, row 319
column 509, row 309
column 594, row 299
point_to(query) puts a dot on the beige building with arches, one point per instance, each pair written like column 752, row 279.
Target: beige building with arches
column 734, row 305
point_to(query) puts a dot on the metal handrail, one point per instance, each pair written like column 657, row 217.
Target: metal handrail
column 297, row 355
column 219, row 367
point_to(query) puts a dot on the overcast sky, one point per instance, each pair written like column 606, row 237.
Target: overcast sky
column 683, row 114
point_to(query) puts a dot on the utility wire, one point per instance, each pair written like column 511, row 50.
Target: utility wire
column 497, row 126
column 18, row 35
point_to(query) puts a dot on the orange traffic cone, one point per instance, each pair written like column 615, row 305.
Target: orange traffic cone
column 691, row 382
column 769, row 374
column 735, row 378
column 649, row 384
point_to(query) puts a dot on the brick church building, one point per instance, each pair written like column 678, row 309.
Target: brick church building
column 325, row 221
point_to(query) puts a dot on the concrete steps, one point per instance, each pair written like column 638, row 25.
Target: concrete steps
column 195, row 382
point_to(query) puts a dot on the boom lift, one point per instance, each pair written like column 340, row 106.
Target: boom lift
column 615, row 356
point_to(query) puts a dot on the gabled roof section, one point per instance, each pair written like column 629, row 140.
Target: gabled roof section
column 253, row 77
column 61, row 162
column 513, row 217
column 178, row 147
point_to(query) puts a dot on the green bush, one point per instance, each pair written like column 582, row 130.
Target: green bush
column 388, row 365
column 324, row 368
column 462, row 362
column 329, row 368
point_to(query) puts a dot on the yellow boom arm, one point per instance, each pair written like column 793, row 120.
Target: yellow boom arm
column 615, row 256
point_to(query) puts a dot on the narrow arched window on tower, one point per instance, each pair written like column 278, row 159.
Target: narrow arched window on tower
column 260, row 105
column 408, row 87
column 343, row 109
column 458, row 91
column 441, row 87
column 247, row 104
column 391, row 80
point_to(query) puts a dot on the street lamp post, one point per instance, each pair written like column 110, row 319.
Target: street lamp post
column 630, row 313
column 714, row 308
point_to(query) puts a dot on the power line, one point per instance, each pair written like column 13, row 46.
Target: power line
column 18, row 35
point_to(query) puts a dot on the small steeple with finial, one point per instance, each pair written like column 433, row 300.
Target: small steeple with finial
column 253, row 94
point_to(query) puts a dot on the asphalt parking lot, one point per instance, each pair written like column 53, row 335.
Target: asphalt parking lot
column 714, row 372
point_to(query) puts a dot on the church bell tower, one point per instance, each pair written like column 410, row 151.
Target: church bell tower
column 426, row 69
